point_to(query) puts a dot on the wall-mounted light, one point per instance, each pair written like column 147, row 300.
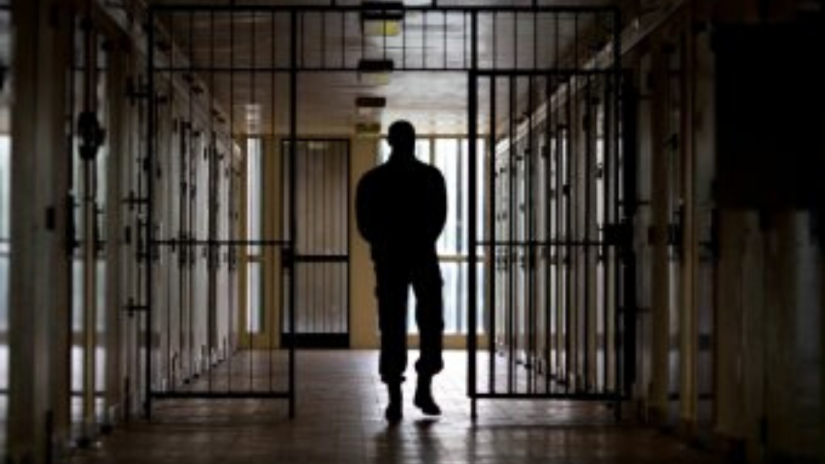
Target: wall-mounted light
column 375, row 72
column 382, row 18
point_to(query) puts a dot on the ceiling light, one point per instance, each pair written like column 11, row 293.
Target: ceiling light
column 370, row 106
column 382, row 18
column 253, row 113
column 368, row 129
column 375, row 72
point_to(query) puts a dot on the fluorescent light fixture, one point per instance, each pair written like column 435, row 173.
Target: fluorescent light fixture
column 382, row 18
column 370, row 106
column 368, row 129
column 376, row 72
column 254, row 115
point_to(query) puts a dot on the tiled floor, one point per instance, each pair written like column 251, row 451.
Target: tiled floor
column 340, row 420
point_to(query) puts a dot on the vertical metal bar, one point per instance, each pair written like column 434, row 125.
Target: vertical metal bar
column 190, row 147
column 230, row 349
column 323, row 40
column 384, row 35
column 495, row 40
column 628, row 216
column 149, row 232
column 464, row 38
column 607, row 219
column 568, row 249
column 210, row 340
column 472, row 134
column 512, row 261
column 549, row 291
column 272, row 157
column 493, row 250
column 307, row 222
column 319, row 247
column 293, row 140
column 172, row 368
column 345, row 216
column 424, row 40
column 403, row 45
column 89, row 210
column 535, row 40
column 587, row 177
column 444, row 13
column 530, row 248
column 561, row 307
column 301, row 33
column 515, row 40
column 343, row 39
column 258, row 249
column 363, row 42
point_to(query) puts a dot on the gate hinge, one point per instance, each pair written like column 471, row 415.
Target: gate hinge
column 288, row 258
column 620, row 234
column 51, row 219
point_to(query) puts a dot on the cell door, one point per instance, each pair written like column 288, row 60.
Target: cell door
column 322, row 185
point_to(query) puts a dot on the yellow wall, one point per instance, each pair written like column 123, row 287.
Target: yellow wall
column 363, row 308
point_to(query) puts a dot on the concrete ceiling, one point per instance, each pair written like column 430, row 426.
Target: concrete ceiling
column 435, row 101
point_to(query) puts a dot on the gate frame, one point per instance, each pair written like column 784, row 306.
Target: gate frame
column 474, row 72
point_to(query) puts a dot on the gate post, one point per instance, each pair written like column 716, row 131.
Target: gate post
column 472, row 136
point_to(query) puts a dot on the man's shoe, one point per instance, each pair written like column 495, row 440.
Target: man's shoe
column 394, row 413
column 395, row 410
column 424, row 398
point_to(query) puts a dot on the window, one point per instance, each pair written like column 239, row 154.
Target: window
column 254, row 231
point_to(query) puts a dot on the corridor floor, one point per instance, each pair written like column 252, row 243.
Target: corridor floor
column 340, row 420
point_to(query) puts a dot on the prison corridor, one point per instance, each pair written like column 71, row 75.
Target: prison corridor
column 340, row 419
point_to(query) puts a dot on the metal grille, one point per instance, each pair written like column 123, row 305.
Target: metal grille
column 554, row 262
column 553, row 256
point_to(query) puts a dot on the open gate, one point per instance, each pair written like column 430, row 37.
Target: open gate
column 551, row 243
column 550, row 265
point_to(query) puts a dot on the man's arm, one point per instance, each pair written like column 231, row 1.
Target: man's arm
column 439, row 189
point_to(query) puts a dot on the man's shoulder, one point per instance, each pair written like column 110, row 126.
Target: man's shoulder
column 372, row 174
column 432, row 171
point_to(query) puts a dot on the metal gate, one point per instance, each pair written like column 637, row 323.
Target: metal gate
column 555, row 246
column 544, row 253
column 551, row 242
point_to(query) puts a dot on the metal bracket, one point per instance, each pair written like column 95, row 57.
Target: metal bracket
column 288, row 258
column 131, row 308
column 620, row 234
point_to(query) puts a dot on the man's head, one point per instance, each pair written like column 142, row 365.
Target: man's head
column 402, row 137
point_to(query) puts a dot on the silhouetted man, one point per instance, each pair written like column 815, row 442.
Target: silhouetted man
column 401, row 207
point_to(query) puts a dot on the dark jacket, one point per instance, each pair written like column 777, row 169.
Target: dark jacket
column 401, row 208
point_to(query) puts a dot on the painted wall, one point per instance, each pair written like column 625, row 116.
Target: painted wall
column 363, row 305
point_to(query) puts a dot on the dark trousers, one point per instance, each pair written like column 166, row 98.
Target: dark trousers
column 394, row 278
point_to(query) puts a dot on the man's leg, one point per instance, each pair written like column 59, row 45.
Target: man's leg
column 392, row 310
column 429, row 315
